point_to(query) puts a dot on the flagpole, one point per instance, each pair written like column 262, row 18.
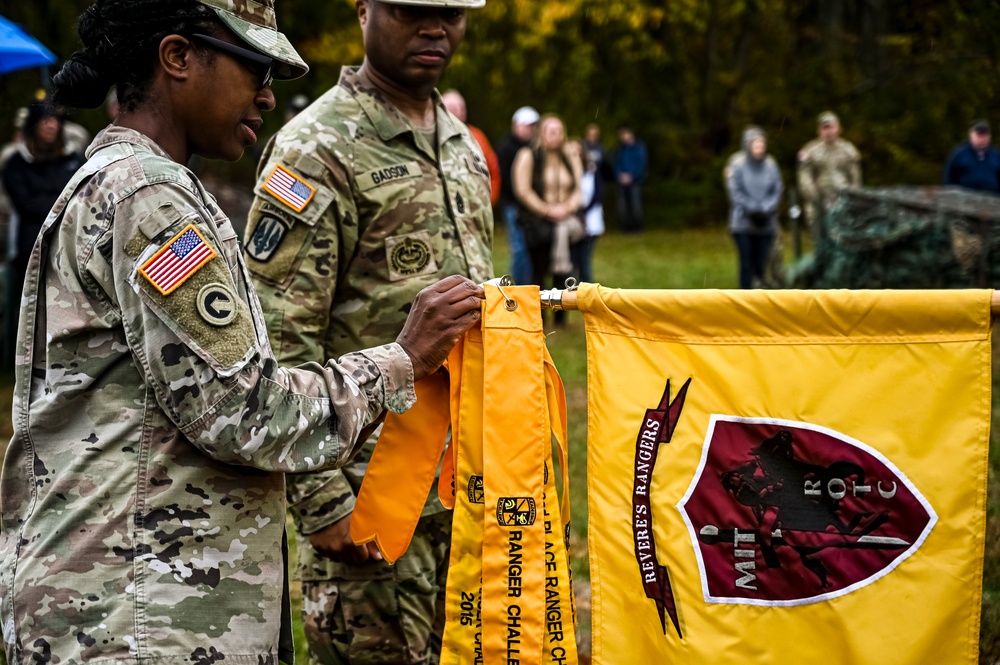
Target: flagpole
column 558, row 299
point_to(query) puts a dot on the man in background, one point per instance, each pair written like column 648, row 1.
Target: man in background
column 827, row 164
column 522, row 129
column 455, row 103
column 630, row 164
column 370, row 194
column 976, row 163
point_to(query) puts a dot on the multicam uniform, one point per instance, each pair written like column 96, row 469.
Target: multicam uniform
column 356, row 211
column 143, row 490
column 824, row 170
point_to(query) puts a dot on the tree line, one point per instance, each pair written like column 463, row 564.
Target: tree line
column 688, row 75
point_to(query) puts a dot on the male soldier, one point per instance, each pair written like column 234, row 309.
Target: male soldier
column 827, row 165
column 367, row 196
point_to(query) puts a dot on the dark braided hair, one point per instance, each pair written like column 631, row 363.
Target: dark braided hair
column 120, row 40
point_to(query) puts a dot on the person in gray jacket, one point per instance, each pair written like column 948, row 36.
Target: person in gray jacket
column 754, row 183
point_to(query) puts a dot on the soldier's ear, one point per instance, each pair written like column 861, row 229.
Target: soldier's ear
column 175, row 56
column 362, row 7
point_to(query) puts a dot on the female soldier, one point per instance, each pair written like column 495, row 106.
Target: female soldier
column 143, row 491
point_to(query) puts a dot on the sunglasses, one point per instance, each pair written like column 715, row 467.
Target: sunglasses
column 261, row 65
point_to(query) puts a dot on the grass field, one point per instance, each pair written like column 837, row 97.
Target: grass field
column 666, row 259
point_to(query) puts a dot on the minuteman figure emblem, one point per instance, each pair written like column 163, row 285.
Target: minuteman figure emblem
column 788, row 513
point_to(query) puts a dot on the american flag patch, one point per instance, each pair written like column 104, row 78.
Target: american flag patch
column 178, row 260
column 288, row 188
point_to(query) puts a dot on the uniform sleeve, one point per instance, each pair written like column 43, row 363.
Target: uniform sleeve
column 296, row 284
column 195, row 340
column 317, row 500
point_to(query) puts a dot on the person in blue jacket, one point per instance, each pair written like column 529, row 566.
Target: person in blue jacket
column 975, row 164
column 630, row 164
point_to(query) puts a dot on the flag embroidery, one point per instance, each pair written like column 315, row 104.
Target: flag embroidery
column 288, row 188
column 178, row 260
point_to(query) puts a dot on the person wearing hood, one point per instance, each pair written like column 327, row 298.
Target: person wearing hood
column 754, row 183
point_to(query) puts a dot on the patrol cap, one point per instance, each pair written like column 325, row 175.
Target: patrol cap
column 470, row 4
column 828, row 118
column 980, row 126
column 255, row 23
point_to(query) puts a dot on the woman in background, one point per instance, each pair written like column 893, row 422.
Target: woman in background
column 546, row 180
column 754, row 183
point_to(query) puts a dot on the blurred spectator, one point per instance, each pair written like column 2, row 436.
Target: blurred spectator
column 631, row 162
column 34, row 177
column 6, row 152
column 975, row 164
column 591, row 211
column 593, row 151
column 521, row 131
column 827, row 165
column 547, row 178
column 295, row 106
column 455, row 103
column 75, row 137
column 755, row 188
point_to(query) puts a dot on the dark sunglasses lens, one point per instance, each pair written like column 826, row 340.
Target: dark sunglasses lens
column 260, row 65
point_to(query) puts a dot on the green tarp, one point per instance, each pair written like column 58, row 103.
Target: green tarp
column 906, row 238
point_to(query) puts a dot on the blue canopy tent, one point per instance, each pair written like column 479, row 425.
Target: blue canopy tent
column 19, row 50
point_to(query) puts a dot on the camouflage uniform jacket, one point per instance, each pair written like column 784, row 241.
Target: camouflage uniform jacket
column 143, row 493
column 391, row 211
column 825, row 169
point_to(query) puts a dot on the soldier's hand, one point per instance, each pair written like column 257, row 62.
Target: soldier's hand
column 440, row 315
column 334, row 542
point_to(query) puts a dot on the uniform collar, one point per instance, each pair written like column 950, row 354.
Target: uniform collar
column 386, row 118
column 113, row 134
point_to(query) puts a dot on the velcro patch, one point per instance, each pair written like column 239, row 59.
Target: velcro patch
column 178, row 260
column 217, row 304
column 289, row 188
column 267, row 238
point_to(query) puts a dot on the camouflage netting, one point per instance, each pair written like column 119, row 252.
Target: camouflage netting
column 907, row 238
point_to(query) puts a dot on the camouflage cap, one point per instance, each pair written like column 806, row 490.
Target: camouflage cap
column 471, row 4
column 254, row 22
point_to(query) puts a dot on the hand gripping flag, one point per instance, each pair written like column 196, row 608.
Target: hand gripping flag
column 787, row 477
column 509, row 596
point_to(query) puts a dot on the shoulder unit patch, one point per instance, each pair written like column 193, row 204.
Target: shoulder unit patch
column 289, row 188
column 178, row 260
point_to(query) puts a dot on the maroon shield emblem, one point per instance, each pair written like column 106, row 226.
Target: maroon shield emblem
column 788, row 513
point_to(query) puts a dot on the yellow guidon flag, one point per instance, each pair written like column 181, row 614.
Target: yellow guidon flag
column 787, row 477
